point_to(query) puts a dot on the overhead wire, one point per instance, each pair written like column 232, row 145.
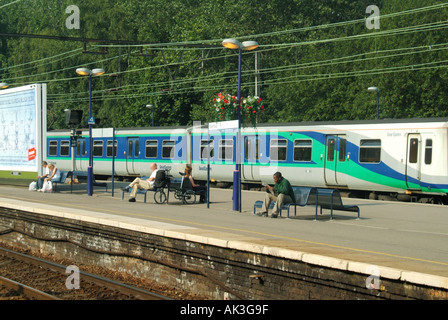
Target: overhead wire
column 264, row 48
column 358, row 58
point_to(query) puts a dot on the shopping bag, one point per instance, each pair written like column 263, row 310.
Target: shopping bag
column 32, row 186
column 47, row 187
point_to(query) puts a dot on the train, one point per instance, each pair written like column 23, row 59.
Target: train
column 404, row 159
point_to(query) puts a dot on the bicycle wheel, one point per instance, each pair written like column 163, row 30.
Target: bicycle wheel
column 178, row 194
column 189, row 197
column 160, row 196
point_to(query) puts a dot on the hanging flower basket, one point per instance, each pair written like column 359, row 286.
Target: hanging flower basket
column 251, row 107
column 226, row 108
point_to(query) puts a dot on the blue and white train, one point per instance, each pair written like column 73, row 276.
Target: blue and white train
column 406, row 158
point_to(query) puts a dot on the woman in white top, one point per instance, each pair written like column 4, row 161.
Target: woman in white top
column 54, row 175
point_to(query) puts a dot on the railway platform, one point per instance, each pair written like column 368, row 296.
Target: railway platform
column 404, row 242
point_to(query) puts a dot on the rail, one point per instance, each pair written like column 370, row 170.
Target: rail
column 101, row 282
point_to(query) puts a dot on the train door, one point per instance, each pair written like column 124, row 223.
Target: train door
column 250, row 169
column 335, row 160
column 413, row 165
column 132, row 154
column 81, row 159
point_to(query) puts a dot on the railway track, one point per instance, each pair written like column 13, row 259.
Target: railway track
column 34, row 278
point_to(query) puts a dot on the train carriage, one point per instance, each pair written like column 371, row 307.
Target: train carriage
column 135, row 149
column 408, row 156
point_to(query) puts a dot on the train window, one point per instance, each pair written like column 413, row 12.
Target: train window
column 302, row 150
column 168, row 149
column 203, row 151
column 130, row 148
column 65, row 148
column 98, row 148
column 413, row 151
column 330, row 149
column 277, row 152
column 370, row 151
column 151, row 149
column 110, row 147
column 225, row 150
column 342, row 149
column 53, row 148
column 248, row 150
column 257, row 149
column 428, row 151
column 81, row 147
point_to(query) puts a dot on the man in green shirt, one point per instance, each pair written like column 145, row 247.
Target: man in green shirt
column 281, row 193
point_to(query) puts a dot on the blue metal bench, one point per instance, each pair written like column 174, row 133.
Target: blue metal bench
column 61, row 180
column 303, row 196
column 83, row 174
column 331, row 199
column 139, row 191
column 325, row 198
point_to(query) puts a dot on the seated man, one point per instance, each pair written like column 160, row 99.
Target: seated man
column 281, row 193
column 40, row 179
column 139, row 183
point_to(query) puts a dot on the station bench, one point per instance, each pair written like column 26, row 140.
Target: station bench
column 325, row 198
column 331, row 199
column 303, row 196
column 139, row 191
column 83, row 174
column 62, row 178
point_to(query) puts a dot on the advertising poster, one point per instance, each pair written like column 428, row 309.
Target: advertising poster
column 22, row 130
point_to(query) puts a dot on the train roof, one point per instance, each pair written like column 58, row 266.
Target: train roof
column 288, row 124
column 354, row 122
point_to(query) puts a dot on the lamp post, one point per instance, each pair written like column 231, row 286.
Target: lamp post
column 151, row 107
column 3, row 85
column 246, row 45
column 90, row 73
column 375, row 89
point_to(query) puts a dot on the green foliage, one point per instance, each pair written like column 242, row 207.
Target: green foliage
column 315, row 61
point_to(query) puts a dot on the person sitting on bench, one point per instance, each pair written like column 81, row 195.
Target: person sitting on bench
column 281, row 193
column 40, row 179
column 139, row 183
column 202, row 190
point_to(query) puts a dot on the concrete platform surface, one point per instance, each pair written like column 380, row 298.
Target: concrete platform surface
column 407, row 241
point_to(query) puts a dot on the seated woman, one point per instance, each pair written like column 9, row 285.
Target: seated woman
column 54, row 175
column 195, row 187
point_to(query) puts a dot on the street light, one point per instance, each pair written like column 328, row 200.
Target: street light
column 375, row 89
column 151, row 107
column 90, row 73
column 3, row 85
column 246, row 45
